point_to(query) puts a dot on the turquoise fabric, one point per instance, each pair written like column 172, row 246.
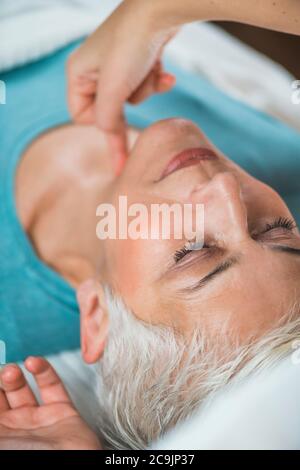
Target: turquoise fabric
column 38, row 311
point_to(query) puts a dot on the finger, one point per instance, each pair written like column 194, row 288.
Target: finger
column 115, row 85
column 165, row 83
column 17, row 391
column 148, row 85
column 82, row 106
column 4, row 405
column 50, row 385
column 160, row 83
column 119, row 149
column 81, row 98
column 145, row 90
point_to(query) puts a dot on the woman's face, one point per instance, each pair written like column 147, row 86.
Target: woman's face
column 247, row 274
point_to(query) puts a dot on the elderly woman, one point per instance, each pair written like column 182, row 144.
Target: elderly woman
column 182, row 320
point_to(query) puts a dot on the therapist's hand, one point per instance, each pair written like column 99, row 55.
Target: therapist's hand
column 120, row 62
column 54, row 425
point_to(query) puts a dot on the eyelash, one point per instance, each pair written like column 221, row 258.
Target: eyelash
column 179, row 254
column 281, row 222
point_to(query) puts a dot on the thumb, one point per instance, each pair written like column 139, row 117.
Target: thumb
column 117, row 143
column 112, row 93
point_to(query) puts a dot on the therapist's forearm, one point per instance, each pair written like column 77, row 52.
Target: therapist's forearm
column 280, row 15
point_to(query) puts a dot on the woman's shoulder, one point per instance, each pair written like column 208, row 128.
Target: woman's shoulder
column 62, row 157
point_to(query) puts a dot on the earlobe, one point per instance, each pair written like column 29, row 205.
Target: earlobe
column 93, row 320
column 93, row 336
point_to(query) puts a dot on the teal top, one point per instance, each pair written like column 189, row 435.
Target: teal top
column 38, row 311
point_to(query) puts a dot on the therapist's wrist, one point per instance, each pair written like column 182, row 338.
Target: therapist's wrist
column 154, row 15
column 163, row 14
column 153, row 21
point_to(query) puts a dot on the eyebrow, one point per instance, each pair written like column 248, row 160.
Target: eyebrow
column 233, row 261
column 219, row 269
column 286, row 249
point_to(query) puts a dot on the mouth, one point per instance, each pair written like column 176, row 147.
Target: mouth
column 187, row 158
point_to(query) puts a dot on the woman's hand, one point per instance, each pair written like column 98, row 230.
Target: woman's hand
column 120, row 62
column 54, row 425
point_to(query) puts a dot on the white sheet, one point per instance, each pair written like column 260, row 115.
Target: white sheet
column 261, row 414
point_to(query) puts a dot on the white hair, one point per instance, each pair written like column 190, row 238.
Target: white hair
column 150, row 379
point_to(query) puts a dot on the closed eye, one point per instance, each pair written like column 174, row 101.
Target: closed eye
column 187, row 249
column 285, row 223
column 282, row 222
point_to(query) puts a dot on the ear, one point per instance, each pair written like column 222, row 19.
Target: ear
column 93, row 320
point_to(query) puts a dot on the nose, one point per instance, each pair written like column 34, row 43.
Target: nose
column 225, row 211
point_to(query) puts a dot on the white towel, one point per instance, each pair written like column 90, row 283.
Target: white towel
column 30, row 29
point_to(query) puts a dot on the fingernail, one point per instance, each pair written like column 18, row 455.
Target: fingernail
column 167, row 79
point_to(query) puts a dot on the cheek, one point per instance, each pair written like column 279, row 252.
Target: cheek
column 136, row 273
column 132, row 267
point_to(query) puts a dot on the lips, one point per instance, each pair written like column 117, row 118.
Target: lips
column 187, row 158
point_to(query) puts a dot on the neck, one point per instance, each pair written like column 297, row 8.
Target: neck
column 59, row 214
